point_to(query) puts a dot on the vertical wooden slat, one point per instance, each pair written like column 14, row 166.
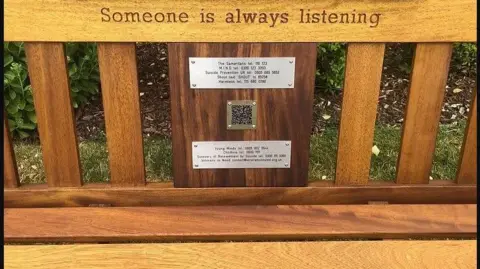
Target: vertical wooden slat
column 10, row 173
column 425, row 98
column 121, row 103
column 53, row 105
column 467, row 167
column 363, row 73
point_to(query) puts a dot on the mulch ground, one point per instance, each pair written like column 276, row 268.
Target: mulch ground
column 152, row 62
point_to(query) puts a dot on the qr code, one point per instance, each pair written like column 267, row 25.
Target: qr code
column 242, row 114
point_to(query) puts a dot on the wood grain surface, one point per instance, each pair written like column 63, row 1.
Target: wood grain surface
column 200, row 115
column 10, row 172
column 211, row 223
column 467, row 167
column 422, row 116
column 398, row 21
column 53, row 106
column 121, row 104
column 159, row 194
column 456, row 254
column 363, row 72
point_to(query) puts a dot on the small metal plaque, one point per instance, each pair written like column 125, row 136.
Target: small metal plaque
column 241, row 154
column 242, row 73
column 241, row 114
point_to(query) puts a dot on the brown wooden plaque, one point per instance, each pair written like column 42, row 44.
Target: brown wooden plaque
column 201, row 115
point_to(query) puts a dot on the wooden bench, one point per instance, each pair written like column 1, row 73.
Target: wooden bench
column 351, row 222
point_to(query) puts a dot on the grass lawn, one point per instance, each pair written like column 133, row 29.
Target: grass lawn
column 158, row 155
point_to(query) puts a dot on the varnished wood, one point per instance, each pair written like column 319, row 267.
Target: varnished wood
column 200, row 115
column 211, row 223
column 467, row 167
column 363, row 72
column 422, row 116
column 429, row 254
column 10, row 172
column 399, row 21
column 121, row 102
column 163, row 194
column 53, row 106
column 287, row 212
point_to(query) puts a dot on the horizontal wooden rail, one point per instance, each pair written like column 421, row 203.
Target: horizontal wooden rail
column 456, row 254
column 162, row 194
column 212, row 223
column 228, row 21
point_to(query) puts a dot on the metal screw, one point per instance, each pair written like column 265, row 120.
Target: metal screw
column 194, row 85
column 229, row 103
column 192, row 62
column 196, row 165
column 287, row 144
column 253, row 126
column 195, row 146
column 286, row 164
column 229, row 126
column 254, row 103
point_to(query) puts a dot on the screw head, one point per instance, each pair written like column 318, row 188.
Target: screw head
column 195, row 146
column 286, row 164
column 194, row 85
column 196, row 165
column 253, row 126
column 229, row 103
column 192, row 62
column 254, row 103
column 229, row 126
column 287, row 144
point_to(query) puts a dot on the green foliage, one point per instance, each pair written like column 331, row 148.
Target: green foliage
column 330, row 67
column 331, row 62
column 464, row 58
column 17, row 92
column 402, row 58
column 83, row 72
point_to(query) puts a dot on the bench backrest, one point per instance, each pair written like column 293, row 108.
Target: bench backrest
column 432, row 24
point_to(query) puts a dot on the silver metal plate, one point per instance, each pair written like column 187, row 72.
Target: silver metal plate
column 242, row 73
column 241, row 154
